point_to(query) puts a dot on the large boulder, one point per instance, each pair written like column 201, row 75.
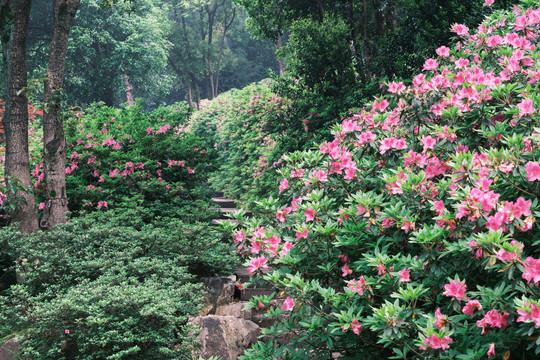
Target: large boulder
column 220, row 292
column 225, row 336
column 9, row 350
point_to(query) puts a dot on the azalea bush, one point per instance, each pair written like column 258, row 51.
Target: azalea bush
column 115, row 154
column 413, row 233
column 247, row 129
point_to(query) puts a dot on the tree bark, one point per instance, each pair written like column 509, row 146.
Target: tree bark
column 129, row 90
column 278, row 45
column 54, row 140
column 17, row 164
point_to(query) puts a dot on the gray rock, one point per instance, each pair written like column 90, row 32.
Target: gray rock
column 235, row 309
column 220, row 292
column 9, row 350
column 225, row 336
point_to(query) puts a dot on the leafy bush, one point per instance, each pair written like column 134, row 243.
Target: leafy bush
column 413, row 233
column 247, row 129
column 118, row 153
column 122, row 288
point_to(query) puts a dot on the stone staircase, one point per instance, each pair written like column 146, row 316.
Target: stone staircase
column 228, row 329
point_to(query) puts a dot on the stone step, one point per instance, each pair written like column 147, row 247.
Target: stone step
column 219, row 221
column 218, row 194
column 248, row 293
column 224, row 203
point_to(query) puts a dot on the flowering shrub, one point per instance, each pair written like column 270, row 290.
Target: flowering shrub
column 114, row 154
column 413, row 233
column 246, row 128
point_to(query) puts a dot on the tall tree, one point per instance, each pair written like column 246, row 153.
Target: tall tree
column 14, row 18
column 54, row 140
column 200, row 30
column 115, row 41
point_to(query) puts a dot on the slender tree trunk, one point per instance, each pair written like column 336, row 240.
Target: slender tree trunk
column 221, row 47
column 278, row 45
column 322, row 10
column 129, row 90
column 17, row 164
column 54, row 139
column 197, row 91
column 187, row 85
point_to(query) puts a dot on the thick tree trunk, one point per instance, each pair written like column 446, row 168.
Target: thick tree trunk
column 129, row 90
column 54, row 139
column 17, row 164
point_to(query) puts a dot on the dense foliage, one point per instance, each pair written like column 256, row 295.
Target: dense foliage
column 244, row 126
column 413, row 233
column 120, row 279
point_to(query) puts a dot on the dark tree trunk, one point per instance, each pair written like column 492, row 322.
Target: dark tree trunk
column 17, row 164
column 54, row 139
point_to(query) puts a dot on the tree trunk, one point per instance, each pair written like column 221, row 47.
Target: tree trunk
column 129, row 90
column 278, row 45
column 187, row 85
column 54, row 140
column 17, row 164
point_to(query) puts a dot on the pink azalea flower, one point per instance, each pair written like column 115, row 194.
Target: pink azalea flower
column 522, row 207
column 460, row 29
column 404, row 275
column 320, row 175
column 461, row 63
column 41, row 206
column 491, row 350
column 396, row 88
column 525, row 107
column 434, row 342
column 297, row 173
column 489, row 3
column 346, row 270
column 532, row 270
column 533, row 171
column 455, row 289
column 493, row 318
column 430, row 64
column 258, row 263
column 309, row 214
column 283, row 185
column 533, row 315
column 439, row 207
column 303, row 234
column 429, row 143
column 366, row 137
column 443, row 51
column 239, row 237
column 356, row 326
column 506, row 168
column 358, row 285
column 440, row 323
column 468, row 309
column 288, row 304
